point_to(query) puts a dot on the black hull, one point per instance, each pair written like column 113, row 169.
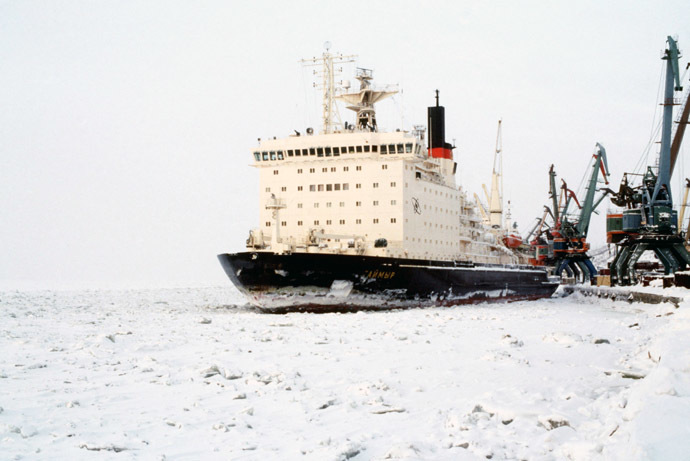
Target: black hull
column 315, row 281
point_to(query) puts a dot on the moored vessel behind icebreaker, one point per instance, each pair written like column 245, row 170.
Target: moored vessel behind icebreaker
column 354, row 216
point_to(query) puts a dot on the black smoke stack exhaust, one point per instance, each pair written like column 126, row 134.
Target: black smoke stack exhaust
column 438, row 147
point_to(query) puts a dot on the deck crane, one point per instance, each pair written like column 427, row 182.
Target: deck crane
column 649, row 221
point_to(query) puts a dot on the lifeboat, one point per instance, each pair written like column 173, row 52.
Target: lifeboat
column 512, row 240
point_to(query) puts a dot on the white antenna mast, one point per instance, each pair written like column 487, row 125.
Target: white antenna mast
column 327, row 85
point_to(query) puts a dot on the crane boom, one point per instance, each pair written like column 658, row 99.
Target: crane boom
column 662, row 188
column 600, row 163
column 554, row 198
column 680, row 130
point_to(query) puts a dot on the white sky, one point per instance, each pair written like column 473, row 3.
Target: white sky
column 126, row 127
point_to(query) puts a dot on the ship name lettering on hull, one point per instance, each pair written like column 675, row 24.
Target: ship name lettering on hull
column 377, row 274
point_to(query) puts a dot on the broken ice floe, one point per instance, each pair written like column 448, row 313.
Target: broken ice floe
column 226, row 373
column 551, row 422
column 93, row 447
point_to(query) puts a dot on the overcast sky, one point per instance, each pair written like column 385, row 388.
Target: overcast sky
column 126, row 127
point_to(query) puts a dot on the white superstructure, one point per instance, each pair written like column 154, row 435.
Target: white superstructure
column 356, row 190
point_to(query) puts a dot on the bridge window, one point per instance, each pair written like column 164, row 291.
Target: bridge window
column 264, row 155
column 336, row 151
column 384, row 149
column 257, row 156
column 366, row 148
column 400, row 148
column 328, row 151
column 312, row 151
column 408, row 148
column 280, row 155
column 351, row 149
column 359, row 149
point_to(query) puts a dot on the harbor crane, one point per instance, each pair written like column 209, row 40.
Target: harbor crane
column 649, row 221
column 566, row 239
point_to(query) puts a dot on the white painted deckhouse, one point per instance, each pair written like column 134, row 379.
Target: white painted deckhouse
column 353, row 189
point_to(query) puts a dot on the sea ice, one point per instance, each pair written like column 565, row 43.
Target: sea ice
column 193, row 373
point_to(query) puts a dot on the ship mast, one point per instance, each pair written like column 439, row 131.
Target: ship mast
column 327, row 85
column 496, row 198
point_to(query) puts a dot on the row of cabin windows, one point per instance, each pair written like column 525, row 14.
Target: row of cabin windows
column 342, row 204
column 436, row 242
column 385, row 149
column 333, row 169
column 330, row 187
column 328, row 222
column 441, row 193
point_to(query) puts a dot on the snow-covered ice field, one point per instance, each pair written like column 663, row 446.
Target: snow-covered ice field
column 186, row 374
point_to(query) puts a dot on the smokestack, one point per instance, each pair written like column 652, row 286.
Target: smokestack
column 438, row 147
